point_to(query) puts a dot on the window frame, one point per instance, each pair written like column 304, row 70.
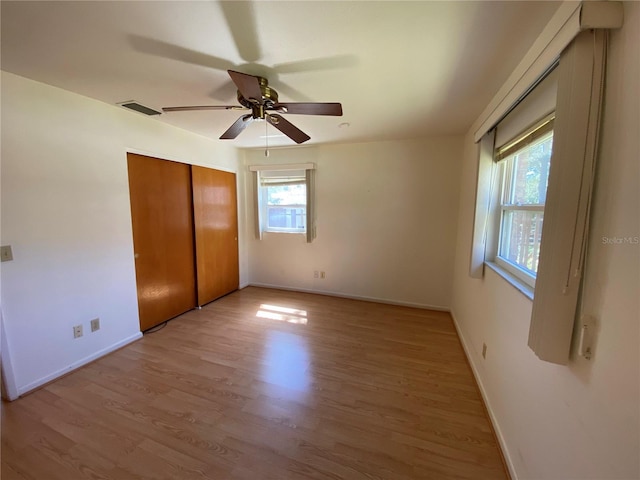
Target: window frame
column 264, row 209
column 505, row 156
column 303, row 173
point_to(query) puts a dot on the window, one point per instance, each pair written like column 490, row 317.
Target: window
column 523, row 175
column 283, row 203
column 560, row 267
column 284, row 199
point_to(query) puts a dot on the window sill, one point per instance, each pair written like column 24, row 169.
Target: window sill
column 285, row 232
column 519, row 285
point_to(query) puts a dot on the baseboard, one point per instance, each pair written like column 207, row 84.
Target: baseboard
column 75, row 365
column 485, row 397
column 352, row 297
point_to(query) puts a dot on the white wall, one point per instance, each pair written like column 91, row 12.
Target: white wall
column 579, row 421
column 66, row 213
column 385, row 222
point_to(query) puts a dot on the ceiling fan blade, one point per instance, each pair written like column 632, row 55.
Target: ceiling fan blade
column 248, row 85
column 334, row 109
column 242, row 24
column 237, row 127
column 202, row 107
column 288, row 128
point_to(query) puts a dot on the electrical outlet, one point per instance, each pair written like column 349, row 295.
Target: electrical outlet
column 6, row 255
column 484, row 350
column 323, row 275
column 315, row 274
column 95, row 324
column 77, row 331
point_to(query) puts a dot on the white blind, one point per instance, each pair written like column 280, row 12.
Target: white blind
column 565, row 228
column 484, row 191
column 539, row 103
column 282, row 167
column 311, row 205
column 282, row 177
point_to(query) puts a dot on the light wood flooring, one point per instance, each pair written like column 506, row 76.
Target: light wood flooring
column 264, row 384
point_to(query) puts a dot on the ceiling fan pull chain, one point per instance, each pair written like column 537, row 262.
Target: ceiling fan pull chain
column 266, row 138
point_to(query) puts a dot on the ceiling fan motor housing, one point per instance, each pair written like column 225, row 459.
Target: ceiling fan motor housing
column 269, row 99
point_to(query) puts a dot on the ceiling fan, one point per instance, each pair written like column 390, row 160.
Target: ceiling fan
column 255, row 94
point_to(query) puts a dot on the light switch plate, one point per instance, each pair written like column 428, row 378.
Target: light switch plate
column 5, row 253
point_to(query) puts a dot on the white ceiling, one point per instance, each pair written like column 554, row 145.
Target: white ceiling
column 400, row 69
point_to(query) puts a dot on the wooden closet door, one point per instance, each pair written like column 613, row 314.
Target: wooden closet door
column 216, row 229
column 162, row 217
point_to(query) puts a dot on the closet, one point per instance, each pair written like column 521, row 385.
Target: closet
column 185, row 236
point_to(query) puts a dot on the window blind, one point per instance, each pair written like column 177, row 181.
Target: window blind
column 538, row 104
column 282, row 177
column 538, row 130
column 484, row 193
column 565, row 228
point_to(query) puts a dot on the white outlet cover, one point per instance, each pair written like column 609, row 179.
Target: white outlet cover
column 6, row 255
column 95, row 324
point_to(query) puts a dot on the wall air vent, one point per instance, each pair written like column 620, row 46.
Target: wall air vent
column 133, row 105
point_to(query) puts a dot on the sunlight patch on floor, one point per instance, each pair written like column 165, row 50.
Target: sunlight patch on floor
column 283, row 314
column 286, row 361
